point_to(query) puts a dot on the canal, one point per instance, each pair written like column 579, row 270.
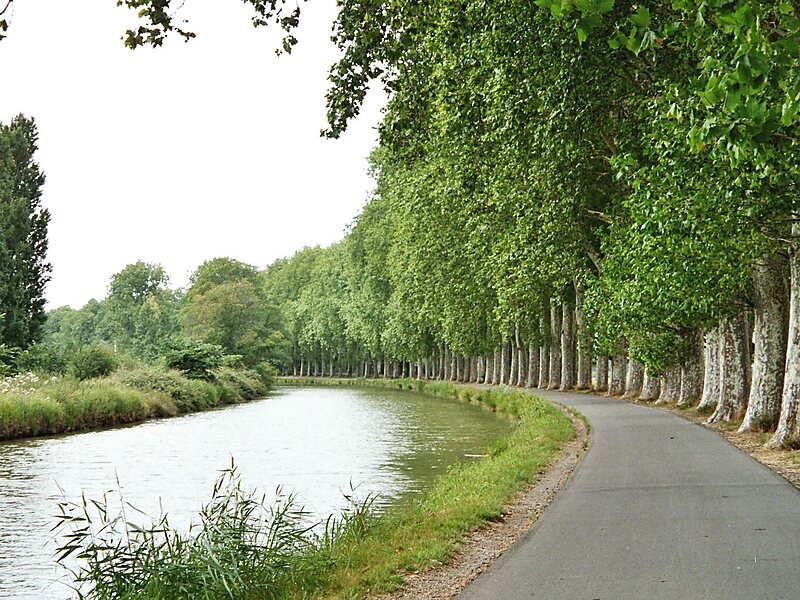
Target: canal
column 316, row 443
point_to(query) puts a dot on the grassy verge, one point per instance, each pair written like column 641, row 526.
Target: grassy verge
column 350, row 558
column 33, row 406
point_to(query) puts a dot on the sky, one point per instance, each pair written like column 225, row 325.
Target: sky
column 180, row 154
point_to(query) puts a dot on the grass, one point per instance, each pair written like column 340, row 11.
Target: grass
column 33, row 406
column 353, row 556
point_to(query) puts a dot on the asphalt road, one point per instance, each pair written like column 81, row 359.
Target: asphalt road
column 658, row 508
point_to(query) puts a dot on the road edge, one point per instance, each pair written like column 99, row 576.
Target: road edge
column 483, row 546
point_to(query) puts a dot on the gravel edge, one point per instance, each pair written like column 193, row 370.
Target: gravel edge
column 482, row 547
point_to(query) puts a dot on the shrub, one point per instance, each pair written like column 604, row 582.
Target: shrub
column 188, row 395
column 196, row 360
column 8, row 359
column 266, row 372
column 236, row 385
column 42, row 359
column 94, row 361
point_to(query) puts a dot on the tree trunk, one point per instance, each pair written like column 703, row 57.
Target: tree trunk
column 692, row 373
column 555, row 347
column 619, row 368
column 514, row 367
column 711, row 371
column 496, row 367
column 734, row 364
column 769, row 352
column 584, row 345
column 544, row 349
column 567, row 347
column 533, row 366
column 670, row 386
column 522, row 368
column 651, row 387
column 788, row 432
column 635, row 381
column 602, row 374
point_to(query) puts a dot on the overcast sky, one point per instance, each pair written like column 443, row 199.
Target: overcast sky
column 183, row 153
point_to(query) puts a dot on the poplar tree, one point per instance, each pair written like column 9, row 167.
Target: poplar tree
column 24, row 270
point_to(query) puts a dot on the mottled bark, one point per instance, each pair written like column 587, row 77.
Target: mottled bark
column 555, row 347
column 496, row 367
column 634, row 381
column 602, row 374
column 514, row 362
column 619, row 368
column 533, row 366
column 567, row 347
column 670, row 386
column 734, row 366
column 692, row 373
column 711, row 371
column 651, row 387
column 544, row 349
column 522, row 367
column 583, row 345
column 769, row 351
column 788, row 432
column 503, row 363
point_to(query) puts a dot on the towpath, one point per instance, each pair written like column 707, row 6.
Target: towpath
column 658, row 508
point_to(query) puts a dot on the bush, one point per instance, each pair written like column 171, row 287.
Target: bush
column 236, row 385
column 41, row 359
column 8, row 359
column 94, row 361
column 196, row 360
column 188, row 395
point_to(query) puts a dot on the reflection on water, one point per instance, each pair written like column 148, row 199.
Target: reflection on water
column 314, row 442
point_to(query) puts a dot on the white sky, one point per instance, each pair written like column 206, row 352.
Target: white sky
column 183, row 153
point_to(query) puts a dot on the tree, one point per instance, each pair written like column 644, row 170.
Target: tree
column 141, row 310
column 24, row 271
column 226, row 305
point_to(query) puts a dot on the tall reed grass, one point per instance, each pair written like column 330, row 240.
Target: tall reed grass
column 241, row 549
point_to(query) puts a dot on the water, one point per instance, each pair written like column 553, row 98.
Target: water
column 314, row 442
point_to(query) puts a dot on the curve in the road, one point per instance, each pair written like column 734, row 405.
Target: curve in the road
column 659, row 508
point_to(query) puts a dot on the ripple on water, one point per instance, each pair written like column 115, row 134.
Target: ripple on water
column 312, row 442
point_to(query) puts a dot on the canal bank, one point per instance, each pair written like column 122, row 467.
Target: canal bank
column 312, row 441
column 359, row 556
column 470, row 515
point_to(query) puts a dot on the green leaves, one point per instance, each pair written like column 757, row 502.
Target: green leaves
column 641, row 18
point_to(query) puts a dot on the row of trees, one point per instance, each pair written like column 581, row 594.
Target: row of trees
column 570, row 184
column 562, row 183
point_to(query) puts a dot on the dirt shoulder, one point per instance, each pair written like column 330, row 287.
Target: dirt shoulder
column 485, row 545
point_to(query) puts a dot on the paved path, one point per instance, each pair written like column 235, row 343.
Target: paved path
column 658, row 508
